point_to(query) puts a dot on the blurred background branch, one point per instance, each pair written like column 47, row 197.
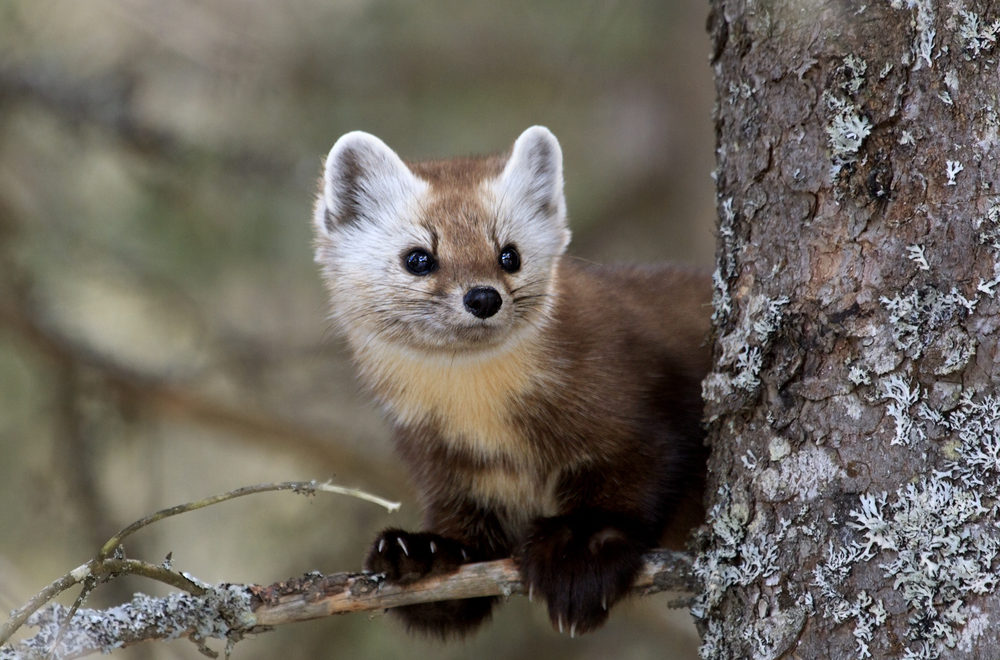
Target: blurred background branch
column 137, row 391
column 162, row 326
column 106, row 102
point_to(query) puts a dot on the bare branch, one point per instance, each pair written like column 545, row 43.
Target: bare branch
column 306, row 487
column 105, row 567
column 231, row 611
column 314, row 596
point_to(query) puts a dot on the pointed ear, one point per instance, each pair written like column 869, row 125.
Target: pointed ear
column 533, row 174
column 363, row 180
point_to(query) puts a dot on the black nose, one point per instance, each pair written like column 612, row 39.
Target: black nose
column 482, row 301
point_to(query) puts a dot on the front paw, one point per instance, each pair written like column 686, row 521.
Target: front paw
column 406, row 557
column 582, row 565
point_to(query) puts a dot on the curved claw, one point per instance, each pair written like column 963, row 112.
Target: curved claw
column 581, row 566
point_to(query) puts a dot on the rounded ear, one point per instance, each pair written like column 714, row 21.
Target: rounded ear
column 363, row 179
column 534, row 175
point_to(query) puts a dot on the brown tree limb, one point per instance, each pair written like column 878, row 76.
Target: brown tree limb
column 314, row 596
column 232, row 611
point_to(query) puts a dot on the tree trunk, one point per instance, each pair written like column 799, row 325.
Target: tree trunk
column 853, row 409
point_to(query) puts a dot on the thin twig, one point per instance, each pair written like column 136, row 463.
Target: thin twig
column 88, row 587
column 95, row 571
column 104, row 566
column 112, row 568
column 388, row 505
column 19, row 616
column 307, row 487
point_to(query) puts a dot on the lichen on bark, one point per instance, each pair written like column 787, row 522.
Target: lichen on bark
column 855, row 426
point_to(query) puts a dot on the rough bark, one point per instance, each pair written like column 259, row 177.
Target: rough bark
column 854, row 408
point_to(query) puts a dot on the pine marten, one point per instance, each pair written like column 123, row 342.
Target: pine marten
column 548, row 409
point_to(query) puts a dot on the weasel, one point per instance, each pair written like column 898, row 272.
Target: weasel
column 547, row 408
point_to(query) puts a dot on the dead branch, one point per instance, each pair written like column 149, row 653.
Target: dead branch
column 304, row 487
column 109, row 564
column 314, row 596
column 232, row 611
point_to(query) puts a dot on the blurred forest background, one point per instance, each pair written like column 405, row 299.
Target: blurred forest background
column 162, row 324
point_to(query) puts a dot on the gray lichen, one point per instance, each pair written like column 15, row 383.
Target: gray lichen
column 743, row 349
column 803, row 475
column 215, row 615
column 923, row 22
column 936, row 536
column 901, row 398
column 847, row 126
column 916, row 253
column 952, row 169
column 739, row 557
column 976, row 425
column 975, row 35
column 846, row 132
column 725, row 270
column 917, row 315
column 909, row 543
column 935, row 542
column 935, row 539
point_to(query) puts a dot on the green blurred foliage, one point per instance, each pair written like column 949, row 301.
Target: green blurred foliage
column 157, row 170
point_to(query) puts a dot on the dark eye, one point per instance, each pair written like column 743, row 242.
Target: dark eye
column 420, row 262
column 510, row 260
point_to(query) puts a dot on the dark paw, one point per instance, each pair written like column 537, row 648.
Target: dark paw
column 582, row 565
column 406, row 557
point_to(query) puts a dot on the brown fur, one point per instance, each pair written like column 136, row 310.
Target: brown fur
column 504, row 429
column 602, row 414
column 566, row 429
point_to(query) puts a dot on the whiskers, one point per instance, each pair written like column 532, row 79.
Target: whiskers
column 532, row 296
column 390, row 315
column 531, row 299
column 424, row 318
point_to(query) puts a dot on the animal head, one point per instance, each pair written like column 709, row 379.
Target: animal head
column 453, row 255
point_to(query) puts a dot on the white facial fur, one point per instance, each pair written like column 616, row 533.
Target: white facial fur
column 373, row 209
